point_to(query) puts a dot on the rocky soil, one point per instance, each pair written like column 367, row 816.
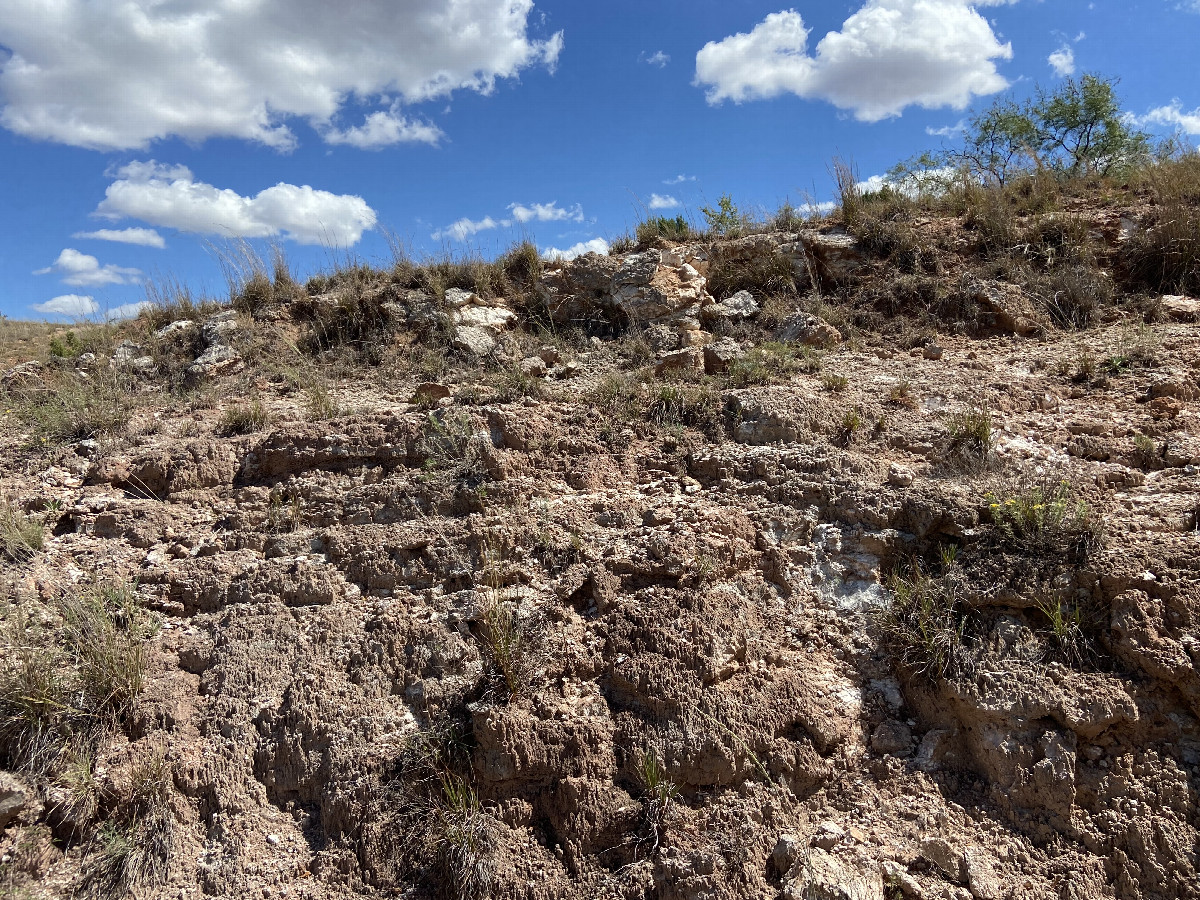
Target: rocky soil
column 604, row 604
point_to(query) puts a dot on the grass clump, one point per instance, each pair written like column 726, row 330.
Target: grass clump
column 1044, row 519
column 659, row 796
column 20, row 536
column 971, row 440
column 511, row 643
column 924, row 618
column 901, row 394
column 834, row 383
column 658, row 228
column 320, row 404
column 771, row 362
column 681, row 404
column 465, row 835
column 245, row 418
column 63, row 683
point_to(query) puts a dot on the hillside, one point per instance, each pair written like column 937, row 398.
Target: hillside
column 851, row 557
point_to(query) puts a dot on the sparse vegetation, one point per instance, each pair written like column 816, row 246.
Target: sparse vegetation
column 970, row 436
column 834, row 383
column 725, row 219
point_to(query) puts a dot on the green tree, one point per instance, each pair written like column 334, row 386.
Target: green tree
column 726, row 219
column 1081, row 129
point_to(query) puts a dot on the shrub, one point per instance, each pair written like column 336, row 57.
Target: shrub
column 245, row 418
column 67, row 346
column 724, row 219
column 1073, row 297
column 1166, row 256
column 1044, row 519
column 763, row 274
column 693, row 405
column 901, row 394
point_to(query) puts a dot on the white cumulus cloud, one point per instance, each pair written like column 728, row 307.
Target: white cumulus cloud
column 1173, row 115
column 145, row 237
column 595, row 245
column 1062, row 61
column 117, row 74
column 518, row 213
column 545, row 212
column 888, row 55
column 680, row 179
column 78, row 269
column 77, row 306
column 466, row 228
column 657, row 58
column 169, row 196
column 382, row 129
column 663, row 201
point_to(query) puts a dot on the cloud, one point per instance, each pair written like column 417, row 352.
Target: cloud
column 145, row 237
column 948, row 131
column 1062, row 61
column 76, row 306
column 595, row 245
column 169, row 196
column 1173, row 115
column 680, row 179
column 126, row 310
column 545, row 212
column 663, row 201
column 383, row 129
column 79, row 269
column 465, row 228
column 657, row 58
column 519, row 213
column 118, row 75
column 889, row 55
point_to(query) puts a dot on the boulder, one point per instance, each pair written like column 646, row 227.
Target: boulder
column 737, row 308
column 175, row 327
column 1181, row 309
column 473, row 340
column 680, row 360
column 430, row 392
column 1004, row 307
column 809, row 330
column 497, row 318
column 719, row 356
column 15, row 797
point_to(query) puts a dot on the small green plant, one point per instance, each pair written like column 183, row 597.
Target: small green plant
column 72, row 408
column 1065, row 629
column 901, row 394
column 771, row 362
column 1044, row 518
column 448, row 444
column 1145, row 451
column 660, row 796
column 245, row 418
column 285, row 513
column 851, row 423
column 20, row 536
column 834, row 383
column 680, row 404
column 725, row 219
column 106, row 631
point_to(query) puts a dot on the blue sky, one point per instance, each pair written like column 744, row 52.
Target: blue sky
column 139, row 137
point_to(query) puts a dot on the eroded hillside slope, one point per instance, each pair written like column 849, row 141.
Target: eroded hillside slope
column 813, row 563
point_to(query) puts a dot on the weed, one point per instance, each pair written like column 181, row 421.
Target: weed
column 851, row 424
column 20, row 536
column 245, row 418
column 1166, row 256
column 105, row 630
column 1065, row 629
column 1145, row 452
column 511, row 643
column 1074, row 296
column 765, row 274
column 660, row 796
column 71, row 408
column 284, row 514
column 67, row 346
column 970, row 436
column 1044, row 519
column 771, row 362
column 625, row 243
column 514, row 383
column 901, row 394
column 660, row 227
column 834, row 383
column 693, row 405
column 447, row 442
